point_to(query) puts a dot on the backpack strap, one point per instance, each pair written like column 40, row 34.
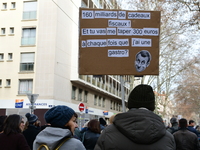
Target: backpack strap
column 62, row 142
column 43, row 145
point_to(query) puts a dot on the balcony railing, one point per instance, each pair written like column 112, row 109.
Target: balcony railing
column 26, row 66
column 28, row 41
column 28, row 15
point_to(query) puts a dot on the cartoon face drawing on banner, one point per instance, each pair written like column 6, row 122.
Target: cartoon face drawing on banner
column 142, row 60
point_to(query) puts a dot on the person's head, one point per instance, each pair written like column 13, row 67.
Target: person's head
column 61, row 116
column 142, row 96
column 183, row 123
column 173, row 121
column 111, row 119
column 142, row 60
column 192, row 123
column 94, row 126
column 31, row 118
column 2, row 119
column 13, row 124
column 102, row 121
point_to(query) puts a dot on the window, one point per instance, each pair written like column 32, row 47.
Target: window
column 10, row 56
column 3, row 31
column 25, row 86
column 80, row 94
column 85, row 96
column 4, row 6
column 0, row 82
column 73, row 92
column 8, row 82
column 95, row 99
column 27, row 62
column 11, row 30
column 30, row 10
column 28, row 36
column 111, row 105
column 103, row 102
column 99, row 101
column 13, row 5
column 1, row 56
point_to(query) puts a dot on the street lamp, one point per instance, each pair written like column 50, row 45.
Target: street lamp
column 32, row 98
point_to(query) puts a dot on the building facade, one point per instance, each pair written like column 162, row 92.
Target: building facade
column 39, row 55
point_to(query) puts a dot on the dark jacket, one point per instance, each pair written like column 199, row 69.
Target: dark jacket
column 186, row 140
column 174, row 128
column 137, row 129
column 192, row 129
column 90, row 139
column 30, row 134
column 13, row 142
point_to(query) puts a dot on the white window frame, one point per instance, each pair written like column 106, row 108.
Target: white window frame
column 10, row 56
column 13, row 5
column 28, row 59
column 26, row 86
column 8, row 82
column 3, row 31
column 12, row 30
column 4, row 6
column 1, row 56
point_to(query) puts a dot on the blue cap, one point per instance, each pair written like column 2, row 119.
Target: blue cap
column 59, row 115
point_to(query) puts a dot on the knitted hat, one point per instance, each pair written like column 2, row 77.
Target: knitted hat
column 31, row 118
column 59, row 115
column 142, row 96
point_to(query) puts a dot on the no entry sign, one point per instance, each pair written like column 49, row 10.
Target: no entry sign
column 81, row 107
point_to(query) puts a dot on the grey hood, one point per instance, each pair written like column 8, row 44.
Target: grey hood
column 140, row 126
column 51, row 136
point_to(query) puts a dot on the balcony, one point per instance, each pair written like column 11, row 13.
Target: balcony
column 29, row 15
column 28, row 41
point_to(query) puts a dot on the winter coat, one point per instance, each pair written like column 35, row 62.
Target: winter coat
column 186, row 140
column 52, row 136
column 30, row 133
column 174, row 128
column 137, row 129
column 13, row 142
column 90, row 139
column 192, row 129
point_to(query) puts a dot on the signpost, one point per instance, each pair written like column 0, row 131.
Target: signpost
column 32, row 98
column 115, row 42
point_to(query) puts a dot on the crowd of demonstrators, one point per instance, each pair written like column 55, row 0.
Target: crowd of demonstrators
column 174, row 125
column 32, row 129
column 63, row 123
column 12, row 138
column 91, row 135
column 139, row 128
column 185, row 139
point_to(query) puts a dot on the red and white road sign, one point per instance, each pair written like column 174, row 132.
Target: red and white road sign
column 81, row 107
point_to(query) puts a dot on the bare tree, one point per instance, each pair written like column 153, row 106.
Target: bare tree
column 177, row 36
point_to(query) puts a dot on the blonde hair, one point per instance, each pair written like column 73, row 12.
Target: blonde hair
column 111, row 119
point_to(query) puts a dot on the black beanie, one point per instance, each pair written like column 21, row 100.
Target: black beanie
column 142, row 96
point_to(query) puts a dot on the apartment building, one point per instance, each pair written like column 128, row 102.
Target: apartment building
column 39, row 55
